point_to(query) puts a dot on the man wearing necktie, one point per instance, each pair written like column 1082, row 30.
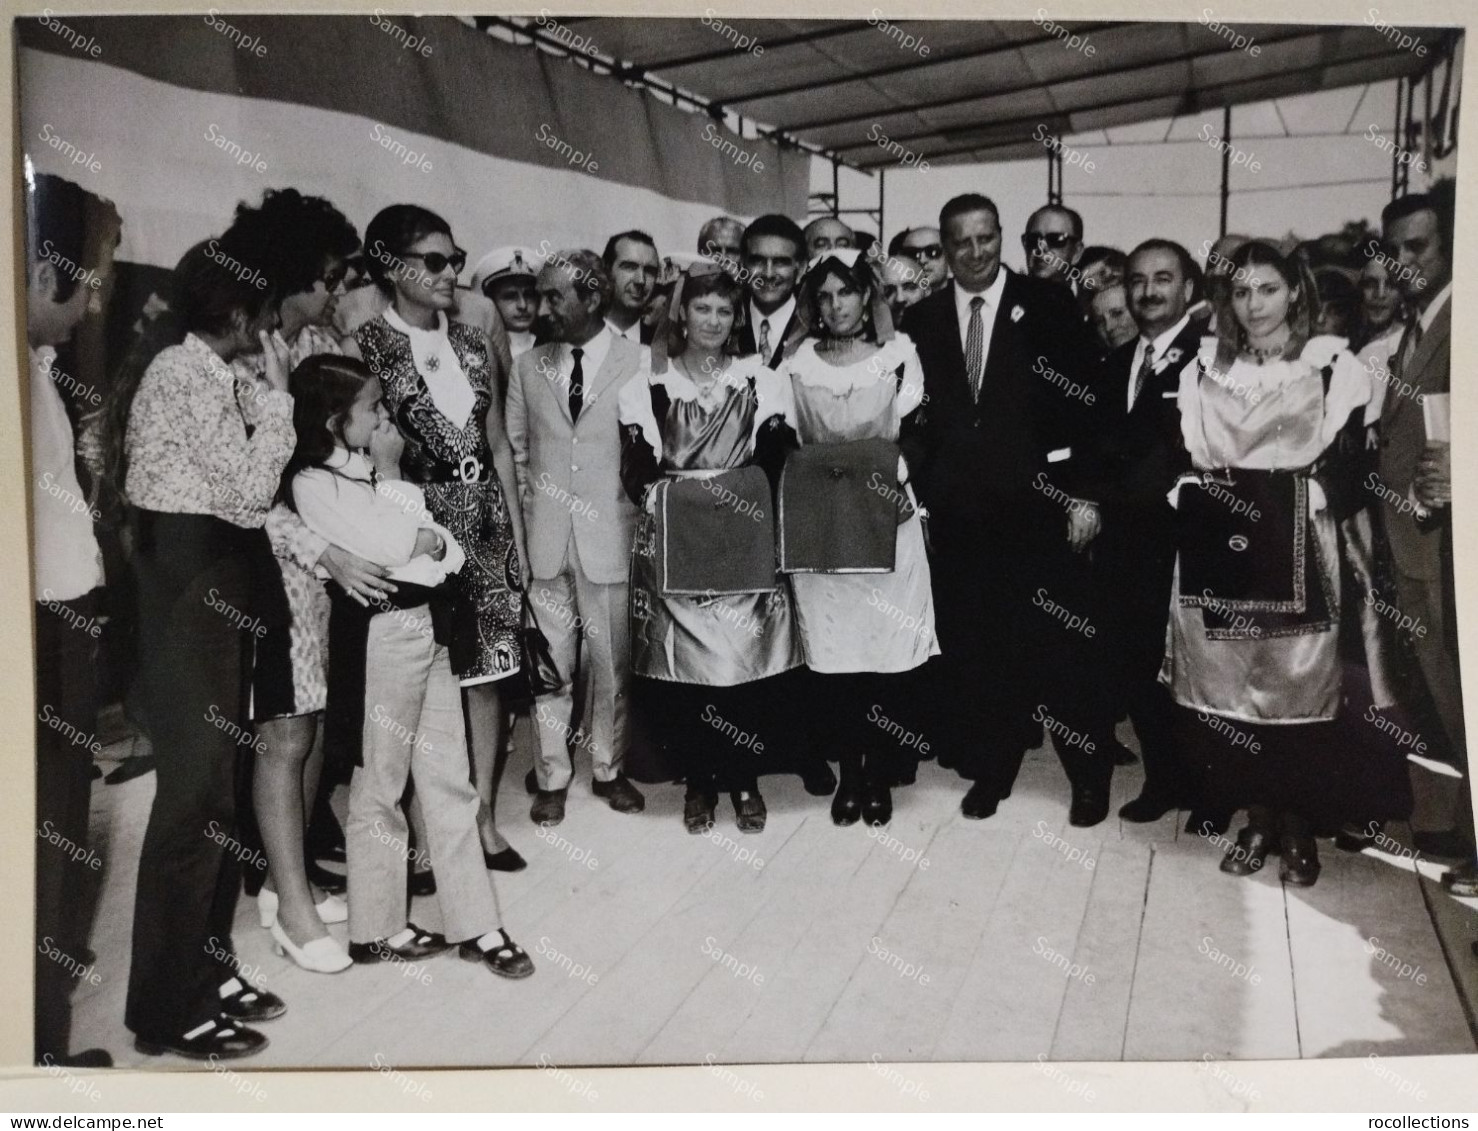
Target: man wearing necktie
column 1138, row 453
column 633, row 263
column 1009, row 368
column 772, row 249
column 579, row 524
column 1415, row 472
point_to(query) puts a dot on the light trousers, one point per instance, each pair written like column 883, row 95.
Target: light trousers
column 413, row 727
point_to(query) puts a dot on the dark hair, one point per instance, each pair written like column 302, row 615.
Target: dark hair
column 860, row 276
column 1440, row 200
column 1301, row 312
column 324, row 387
column 298, row 236
column 1189, row 268
column 204, row 294
column 719, row 283
column 895, row 245
column 966, row 203
column 586, row 272
column 1334, row 287
column 773, row 224
column 1072, row 215
column 393, row 231
column 1097, row 253
column 608, row 257
column 72, row 223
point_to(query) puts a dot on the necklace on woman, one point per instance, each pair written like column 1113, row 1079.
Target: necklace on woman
column 1262, row 355
column 841, row 347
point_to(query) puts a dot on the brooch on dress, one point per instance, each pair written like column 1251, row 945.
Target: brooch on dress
column 1016, row 313
column 432, row 362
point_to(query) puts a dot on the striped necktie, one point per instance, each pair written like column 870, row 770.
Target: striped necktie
column 975, row 348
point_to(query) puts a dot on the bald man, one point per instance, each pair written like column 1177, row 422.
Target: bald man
column 825, row 233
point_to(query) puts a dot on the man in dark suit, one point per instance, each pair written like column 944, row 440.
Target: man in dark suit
column 1138, row 453
column 1415, row 475
column 633, row 264
column 773, row 253
column 1008, row 365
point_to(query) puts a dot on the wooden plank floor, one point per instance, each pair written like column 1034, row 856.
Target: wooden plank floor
column 826, row 944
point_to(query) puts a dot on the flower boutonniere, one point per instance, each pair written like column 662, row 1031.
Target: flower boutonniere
column 1170, row 358
column 1016, row 313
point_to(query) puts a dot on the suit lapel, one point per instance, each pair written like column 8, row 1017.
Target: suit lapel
column 611, row 366
column 1415, row 374
column 550, row 371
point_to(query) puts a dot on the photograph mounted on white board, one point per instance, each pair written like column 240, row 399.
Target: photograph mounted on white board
column 713, row 541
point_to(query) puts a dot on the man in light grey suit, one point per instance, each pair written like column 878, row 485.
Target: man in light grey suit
column 1416, row 474
column 580, row 525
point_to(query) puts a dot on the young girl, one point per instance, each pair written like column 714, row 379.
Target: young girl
column 344, row 481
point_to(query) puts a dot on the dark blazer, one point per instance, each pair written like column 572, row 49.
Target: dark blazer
column 1416, row 545
column 987, row 460
column 1137, row 455
column 795, row 333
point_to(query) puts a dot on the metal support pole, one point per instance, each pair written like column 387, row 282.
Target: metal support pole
column 836, row 186
column 1226, row 164
column 1396, row 152
column 882, row 180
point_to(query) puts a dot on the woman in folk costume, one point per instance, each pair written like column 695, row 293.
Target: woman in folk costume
column 852, row 533
column 704, row 437
column 1273, row 422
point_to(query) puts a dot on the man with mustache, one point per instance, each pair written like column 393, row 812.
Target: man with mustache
column 580, row 525
column 1138, row 453
column 632, row 261
column 1009, row 366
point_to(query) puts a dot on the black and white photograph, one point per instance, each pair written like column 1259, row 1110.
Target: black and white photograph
column 572, row 542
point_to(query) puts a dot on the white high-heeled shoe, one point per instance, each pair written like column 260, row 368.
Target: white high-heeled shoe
column 321, row 956
column 332, row 910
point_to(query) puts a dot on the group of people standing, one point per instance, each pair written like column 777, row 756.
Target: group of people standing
column 796, row 503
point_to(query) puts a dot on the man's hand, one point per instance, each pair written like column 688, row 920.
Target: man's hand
column 1434, row 476
column 361, row 579
column 1082, row 524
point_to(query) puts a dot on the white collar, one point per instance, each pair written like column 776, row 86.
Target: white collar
column 594, row 351
column 991, row 294
column 1162, row 342
column 350, row 464
column 779, row 319
column 399, row 323
column 1434, row 307
column 632, row 334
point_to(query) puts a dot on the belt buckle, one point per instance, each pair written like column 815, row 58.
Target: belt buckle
column 470, row 470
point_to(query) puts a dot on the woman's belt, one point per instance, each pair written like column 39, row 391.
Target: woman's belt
column 427, row 469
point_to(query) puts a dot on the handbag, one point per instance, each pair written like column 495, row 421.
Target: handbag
column 538, row 672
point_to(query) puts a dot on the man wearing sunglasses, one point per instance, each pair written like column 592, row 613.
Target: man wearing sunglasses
column 1053, row 242
column 923, row 244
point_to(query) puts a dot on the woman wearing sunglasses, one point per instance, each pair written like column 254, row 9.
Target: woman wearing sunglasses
column 440, row 388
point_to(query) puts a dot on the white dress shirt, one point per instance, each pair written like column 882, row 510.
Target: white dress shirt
column 1434, row 307
column 520, row 342
column 778, row 319
column 590, row 361
column 68, row 561
column 1159, row 346
column 632, row 333
column 992, row 296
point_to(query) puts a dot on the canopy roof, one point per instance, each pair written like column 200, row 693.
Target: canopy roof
column 985, row 90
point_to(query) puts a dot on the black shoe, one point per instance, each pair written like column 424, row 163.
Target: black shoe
column 531, row 782
column 818, row 778
column 749, row 810
column 877, row 804
column 325, row 880
column 1250, row 852
column 1462, row 880
column 548, row 807
column 846, row 805
column 1300, row 853
column 247, row 1003
column 420, row 881
column 619, row 794
column 130, row 768
column 423, row 945
column 93, row 773
column 507, row 961
column 506, row 861
column 333, row 853
column 1090, row 805
column 225, row 1040
column 1352, row 839
column 87, row 1058
column 1122, row 755
column 1146, row 808
column 980, row 802
column 698, row 812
